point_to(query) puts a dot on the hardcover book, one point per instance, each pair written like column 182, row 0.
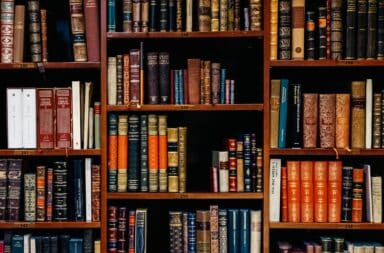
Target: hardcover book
column 310, row 119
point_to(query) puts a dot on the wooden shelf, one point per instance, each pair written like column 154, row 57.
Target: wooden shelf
column 49, row 152
column 326, row 152
column 49, row 225
column 325, row 226
column 185, row 35
column 187, row 107
column 327, row 63
column 51, row 65
column 192, row 195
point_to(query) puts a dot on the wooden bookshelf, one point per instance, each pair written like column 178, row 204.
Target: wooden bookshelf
column 327, row 226
column 184, row 35
column 326, row 152
column 49, row 152
column 50, row 225
column 187, row 195
column 50, row 65
column 327, row 63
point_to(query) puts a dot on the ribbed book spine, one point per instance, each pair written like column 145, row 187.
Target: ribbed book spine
column 284, row 33
column 376, row 123
column 153, row 152
column 203, row 235
column 153, row 17
column 127, row 15
column 40, row 193
column 171, row 16
column 380, row 29
column 133, row 152
column 191, row 216
column 346, row 201
column 310, row 41
column 247, row 163
column 310, row 119
column 44, row 35
column 322, row 32
column 182, row 159
column 60, row 191
column 232, row 167
column 7, row 16
column 119, row 79
column 173, row 160
column 136, row 12
column 163, row 15
column 175, row 231
column 233, row 230
column 111, row 16
column 134, row 85
column 141, row 230
column 371, row 29
column 49, row 194
column 361, row 37
column 152, row 78
column 223, row 230
column 357, row 194
column 14, row 189
column 336, row 29
column 112, row 152
column 30, row 197
column 19, row 29
column 350, row 30
column 358, row 114
column 163, row 155
column 164, row 77
column 144, row 15
column 223, row 15
column 78, row 30
column 112, row 236
column 96, row 192
column 122, row 153
column 143, row 153
column 34, row 30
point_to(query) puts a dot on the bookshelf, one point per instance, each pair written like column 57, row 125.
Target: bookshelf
column 332, row 75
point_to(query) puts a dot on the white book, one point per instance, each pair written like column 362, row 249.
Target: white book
column 368, row 113
column 87, row 97
column 256, row 231
column 377, row 208
column 76, row 123
column 29, row 118
column 274, row 189
column 223, row 171
column 27, row 242
column 32, row 245
column 112, row 82
column 14, row 118
column 368, row 192
column 88, row 188
column 90, row 128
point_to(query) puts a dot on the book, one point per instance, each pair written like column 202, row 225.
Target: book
column 152, row 78
column 297, row 29
column 14, row 118
column 255, row 227
column 122, row 153
column 44, row 34
column 78, row 30
column 141, row 230
column 342, row 131
column 368, row 113
column 7, row 32
column 334, row 191
column 371, row 29
column 284, row 29
column 310, row 43
column 30, row 197
column 244, row 230
column 357, row 194
column 295, row 119
column 310, row 119
column 214, row 227
column 361, row 36
column 274, row 22
column 76, row 115
column 306, row 189
column 376, row 182
column 337, row 29
column 133, row 154
column 327, row 116
column 274, row 191
column 45, row 118
column 40, row 192
column 346, row 208
column 19, row 30
column 274, row 112
column 233, row 230
column 175, row 231
column 163, row 154
column 282, row 135
column 376, row 120
column 92, row 30
column 358, row 114
column 368, row 192
column 164, row 77
column 63, row 115
column 183, row 158
column 320, row 191
column 29, row 121
column 153, row 153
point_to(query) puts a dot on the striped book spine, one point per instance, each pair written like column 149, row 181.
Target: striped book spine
column 153, row 152
column 191, row 232
column 14, row 189
column 7, row 16
column 175, row 231
column 232, row 167
column 122, row 153
column 49, row 194
column 173, row 160
column 3, row 188
column 29, row 197
column 247, row 163
column 60, row 191
column 34, row 30
column 127, row 15
column 40, row 193
column 163, row 155
column 96, row 192
column 78, row 30
column 133, row 152
column 111, row 19
column 112, row 152
column 183, row 159
column 143, row 153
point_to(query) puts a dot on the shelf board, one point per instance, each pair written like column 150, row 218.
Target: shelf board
column 191, row 195
column 49, row 152
column 49, row 225
column 327, row 63
column 185, row 35
column 187, row 107
column 326, row 152
column 326, row 226
column 51, row 65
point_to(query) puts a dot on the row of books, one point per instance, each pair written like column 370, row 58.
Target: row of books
column 80, row 30
column 332, row 30
column 202, row 82
column 324, row 191
column 239, row 167
column 330, row 244
column 57, row 191
column 326, row 120
column 184, row 15
column 53, row 118
column 127, row 229
column 146, row 154
column 43, row 243
column 215, row 230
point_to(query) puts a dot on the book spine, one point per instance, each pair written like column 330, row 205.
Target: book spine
column 256, row 231
column 274, row 189
column 14, row 189
column 144, row 15
column 282, row 132
column 122, row 220
column 119, row 79
column 327, row 115
column 320, row 191
column 368, row 113
column 377, row 193
column 78, row 30
column 96, row 192
column 223, row 14
column 171, row 15
column 244, row 230
column 274, row 112
column 112, row 235
column 19, row 29
column 111, row 19
column 306, row 189
column 7, row 15
column 112, row 152
column 136, row 15
column 14, row 117
column 143, row 153
column 358, row 114
column 310, row 47
column 204, row 15
column 3, row 189
column 112, row 80
column 350, row 36
column 131, row 230
column 223, row 230
column 77, row 121
column 29, row 122
column 361, row 37
column 371, row 29
column 214, row 227
column 175, row 231
column 163, row 153
column 91, row 17
column 298, row 29
column 173, row 159
column 153, row 152
column 334, row 190
column 232, row 167
column 29, row 197
column 49, row 195
column 63, row 118
column 153, row 18
column 240, row 164
column 284, row 194
column 191, row 232
column 336, row 29
column 78, row 192
column 322, row 32
column 293, row 190
column 141, row 231
column 97, row 124
column 233, row 230
column 274, row 19
column 134, row 85
column 367, row 193
column 127, row 15
column 40, row 193
column 45, row 117
column 255, row 14
column 163, row 16
column 310, row 119
column 376, row 121
column 44, row 35
column 295, row 121
column 152, row 78
column 134, row 153
column 380, row 30
column 164, row 77
column 343, row 109
column 357, row 194
column 247, row 163
column 122, row 153
column 183, row 159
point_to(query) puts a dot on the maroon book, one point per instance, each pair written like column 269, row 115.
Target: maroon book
column 92, row 28
column 63, row 118
column 45, row 118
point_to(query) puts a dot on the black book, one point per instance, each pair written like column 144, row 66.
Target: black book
column 361, row 38
column 7, row 237
column 153, row 15
column 39, row 244
column 152, row 78
column 346, row 201
column 164, row 77
column 54, row 243
column 322, row 32
column 380, row 29
column 87, row 241
column 134, row 153
column 295, row 118
column 163, row 15
column 78, row 189
column 284, row 32
column 310, row 35
column 64, row 243
column 46, row 244
column 371, row 29
column 172, row 15
column 60, row 191
column 350, row 31
column 336, row 29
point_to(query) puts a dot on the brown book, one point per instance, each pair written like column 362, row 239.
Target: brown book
column 334, row 190
column 306, row 188
column 298, row 20
column 183, row 159
column 144, row 15
column 320, row 191
column 45, row 117
column 40, row 193
column 376, row 125
column 134, row 83
column 310, row 119
column 357, row 194
column 274, row 28
column 327, row 117
column 96, row 192
column 204, row 14
column 63, row 105
column 214, row 227
column 92, row 29
column 126, row 79
column 358, row 114
column 293, row 191
column 78, row 30
column 203, row 234
column 215, row 13
column 343, row 109
column 193, row 80
column 34, row 30
column 18, row 44
column 215, row 82
column 274, row 112
column 206, row 85
column 44, row 35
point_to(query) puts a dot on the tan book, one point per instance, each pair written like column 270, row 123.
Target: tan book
column 223, row 15
column 173, row 159
column 343, row 108
column 163, row 155
column 44, row 35
column 358, row 114
column 189, row 16
column 204, row 14
column 18, row 44
column 274, row 19
column 183, row 159
column 298, row 8
column 274, row 112
column 327, row 117
column 215, row 14
column 310, row 119
column 376, row 120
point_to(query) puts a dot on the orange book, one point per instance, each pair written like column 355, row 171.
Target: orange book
column 334, row 190
column 153, row 152
column 320, row 191
column 293, row 190
column 306, row 186
column 122, row 151
column 284, row 193
column 357, row 194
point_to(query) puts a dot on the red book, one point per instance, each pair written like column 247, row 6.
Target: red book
column 320, row 191
column 293, row 186
column 45, row 117
column 306, row 186
column 334, row 190
column 92, row 36
column 63, row 118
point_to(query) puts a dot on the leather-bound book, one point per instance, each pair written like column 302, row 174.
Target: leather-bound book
column 152, row 78
column 320, row 191
column 284, row 32
column 343, row 109
column 193, row 67
column 358, row 114
column 293, row 191
column 306, row 189
column 350, row 30
column 204, row 15
column 336, row 29
column 310, row 119
column 164, row 77
column 7, row 13
column 361, row 37
column 19, row 30
column 376, row 120
column 92, row 29
column 298, row 21
column 334, row 190
column 371, row 29
column 327, row 112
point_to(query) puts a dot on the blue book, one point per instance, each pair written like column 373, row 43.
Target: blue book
column 112, row 172
column 133, row 153
column 283, row 113
column 17, row 244
column 233, row 230
column 191, row 223
column 222, row 85
column 143, row 153
column 141, row 230
column 181, row 86
column 244, row 229
column 76, row 245
column 111, row 22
